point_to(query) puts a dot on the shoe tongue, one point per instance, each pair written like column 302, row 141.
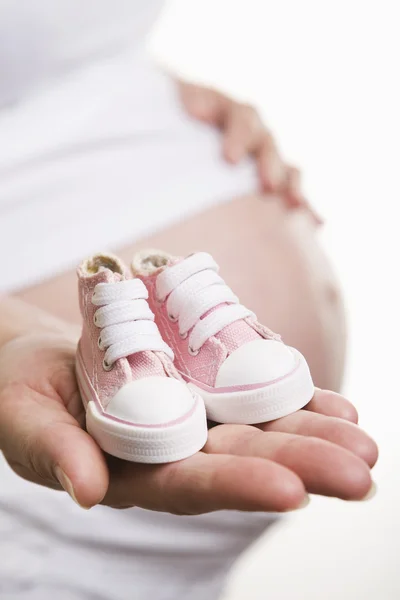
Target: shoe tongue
column 171, row 262
column 150, row 263
column 145, row 364
column 105, row 275
column 141, row 364
column 112, row 276
column 174, row 260
column 232, row 336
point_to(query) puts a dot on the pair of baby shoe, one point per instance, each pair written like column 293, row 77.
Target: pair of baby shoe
column 166, row 345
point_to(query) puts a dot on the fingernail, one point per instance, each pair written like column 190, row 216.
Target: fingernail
column 66, row 483
column 305, row 502
column 372, row 492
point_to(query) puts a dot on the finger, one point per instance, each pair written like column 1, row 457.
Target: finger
column 332, row 404
column 340, row 432
column 318, row 220
column 27, row 474
column 205, row 483
column 271, row 168
column 293, row 192
column 243, row 132
column 325, row 468
column 205, row 104
column 294, row 196
column 38, row 436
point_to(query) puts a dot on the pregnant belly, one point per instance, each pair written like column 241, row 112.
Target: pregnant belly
column 264, row 255
column 218, row 230
column 272, row 261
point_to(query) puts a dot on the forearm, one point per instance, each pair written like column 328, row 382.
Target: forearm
column 19, row 318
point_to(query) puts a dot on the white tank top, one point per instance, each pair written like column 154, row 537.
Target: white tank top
column 41, row 39
column 95, row 149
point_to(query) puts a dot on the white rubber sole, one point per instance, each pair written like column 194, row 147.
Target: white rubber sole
column 135, row 443
column 273, row 401
column 149, row 445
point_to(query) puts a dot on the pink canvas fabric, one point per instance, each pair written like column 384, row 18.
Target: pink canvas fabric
column 205, row 365
column 125, row 370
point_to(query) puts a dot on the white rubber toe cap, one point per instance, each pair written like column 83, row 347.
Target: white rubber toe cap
column 259, row 361
column 151, row 401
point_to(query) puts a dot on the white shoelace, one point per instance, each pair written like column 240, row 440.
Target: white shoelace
column 126, row 321
column 192, row 288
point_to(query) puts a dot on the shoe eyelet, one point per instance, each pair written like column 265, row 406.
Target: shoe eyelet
column 193, row 352
column 99, row 343
column 183, row 336
column 106, row 366
column 172, row 318
column 95, row 319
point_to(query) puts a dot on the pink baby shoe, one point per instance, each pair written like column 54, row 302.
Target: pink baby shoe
column 137, row 406
column 243, row 371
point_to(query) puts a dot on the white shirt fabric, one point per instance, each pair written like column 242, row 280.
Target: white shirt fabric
column 51, row 549
column 95, row 151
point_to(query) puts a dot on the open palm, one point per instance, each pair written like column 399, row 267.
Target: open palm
column 268, row 467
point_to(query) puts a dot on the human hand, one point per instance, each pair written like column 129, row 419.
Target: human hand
column 266, row 468
column 245, row 133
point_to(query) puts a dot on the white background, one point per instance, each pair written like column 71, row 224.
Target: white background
column 325, row 75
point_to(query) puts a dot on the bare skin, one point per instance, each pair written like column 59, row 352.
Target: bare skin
column 267, row 251
column 273, row 262
column 270, row 467
column 270, row 257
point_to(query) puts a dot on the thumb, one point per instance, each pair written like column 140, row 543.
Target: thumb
column 45, row 444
